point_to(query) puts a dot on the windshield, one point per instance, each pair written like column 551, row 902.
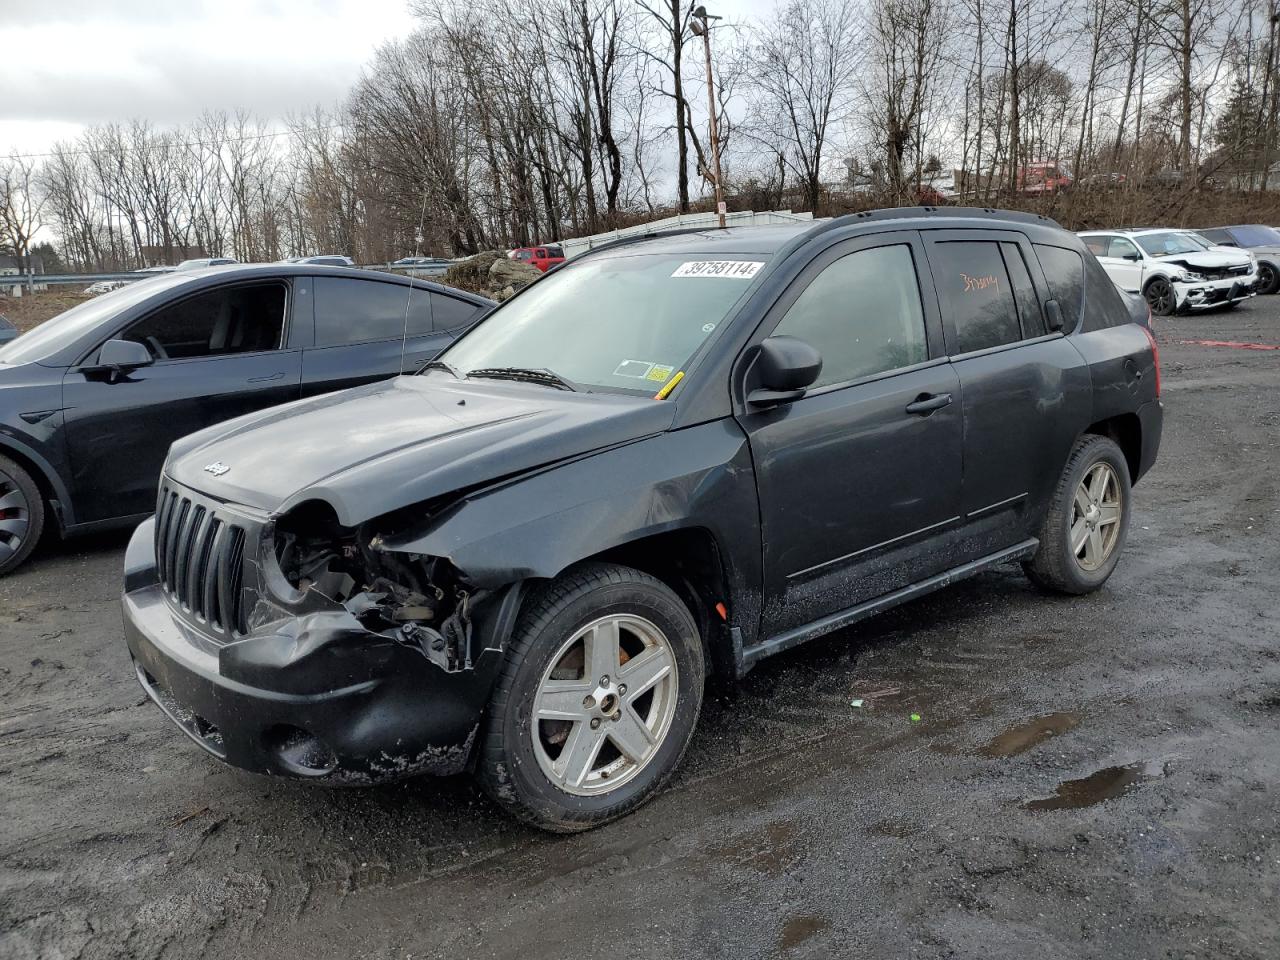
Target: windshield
column 53, row 335
column 1167, row 244
column 1199, row 241
column 1256, row 236
column 625, row 322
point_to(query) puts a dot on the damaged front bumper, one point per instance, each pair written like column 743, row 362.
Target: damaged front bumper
column 1205, row 294
column 315, row 696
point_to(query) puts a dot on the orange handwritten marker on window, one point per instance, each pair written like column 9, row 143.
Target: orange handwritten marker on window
column 669, row 386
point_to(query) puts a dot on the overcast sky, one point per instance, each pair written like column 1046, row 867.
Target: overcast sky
column 69, row 63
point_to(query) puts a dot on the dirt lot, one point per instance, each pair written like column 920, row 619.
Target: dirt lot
column 28, row 311
column 799, row 825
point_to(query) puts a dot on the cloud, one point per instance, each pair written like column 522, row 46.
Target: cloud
column 74, row 62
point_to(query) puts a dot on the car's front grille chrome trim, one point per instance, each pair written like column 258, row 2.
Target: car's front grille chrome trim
column 200, row 560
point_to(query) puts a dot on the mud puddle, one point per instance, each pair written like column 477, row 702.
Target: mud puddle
column 1105, row 784
column 1023, row 736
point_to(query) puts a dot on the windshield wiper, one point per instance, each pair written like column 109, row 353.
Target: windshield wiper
column 542, row 375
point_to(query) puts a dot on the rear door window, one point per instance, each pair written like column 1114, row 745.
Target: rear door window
column 1097, row 245
column 971, row 278
column 358, row 311
column 1064, row 272
column 228, row 320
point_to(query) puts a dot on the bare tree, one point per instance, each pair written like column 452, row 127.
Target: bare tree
column 906, row 39
column 21, row 207
column 805, row 60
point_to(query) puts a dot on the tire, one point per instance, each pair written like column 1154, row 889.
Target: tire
column 1268, row 278
column 1160, row 298
column 1056, row 565
column 21, row 515
column 529, row 768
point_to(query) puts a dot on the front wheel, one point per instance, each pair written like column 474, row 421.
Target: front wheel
column 1268, row 278
column 1160, row 297
column 21, row 515
column 597, row 701
column 1088, row 519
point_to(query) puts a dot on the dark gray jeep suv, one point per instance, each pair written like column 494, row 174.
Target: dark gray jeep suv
column 673, row 456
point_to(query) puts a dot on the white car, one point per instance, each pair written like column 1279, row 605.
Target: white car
column 104, row 286
column 1173, row 270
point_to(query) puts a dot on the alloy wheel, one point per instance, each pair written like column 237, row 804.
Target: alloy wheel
column 1266, row 278
column 15, row 516
column 605, row 704
column 1095, row 516
column 1160, row 298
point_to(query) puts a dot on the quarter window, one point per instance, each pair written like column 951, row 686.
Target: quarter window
column 1064, row 272
column 971, row 277
column 357, row 311
column 862, row 314
column 216, row 323
column 450, row 313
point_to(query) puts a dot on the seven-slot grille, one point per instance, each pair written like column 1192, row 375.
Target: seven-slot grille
column 200, row 559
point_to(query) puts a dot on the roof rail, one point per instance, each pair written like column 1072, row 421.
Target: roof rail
column 908, row 213
column 834, row 223
column 641, row 237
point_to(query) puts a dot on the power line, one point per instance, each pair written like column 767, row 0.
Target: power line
column 189, row 143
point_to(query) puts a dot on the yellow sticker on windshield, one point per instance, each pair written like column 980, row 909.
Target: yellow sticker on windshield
column 659, row 373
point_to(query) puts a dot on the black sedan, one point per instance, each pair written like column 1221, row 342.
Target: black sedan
column 91, row 400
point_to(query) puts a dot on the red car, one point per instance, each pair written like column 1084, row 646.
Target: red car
column 544, row 258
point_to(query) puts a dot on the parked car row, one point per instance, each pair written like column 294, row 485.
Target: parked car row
column 1176, row 270
column 91, row 399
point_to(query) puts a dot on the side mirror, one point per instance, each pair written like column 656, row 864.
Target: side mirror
column 118, row 357
column 785, row 366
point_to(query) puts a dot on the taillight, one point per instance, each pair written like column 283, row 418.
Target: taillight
column 1155, row 355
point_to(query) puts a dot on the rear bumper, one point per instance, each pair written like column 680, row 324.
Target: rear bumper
column 315, row 697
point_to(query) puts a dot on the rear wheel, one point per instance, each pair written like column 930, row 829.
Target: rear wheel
column 597, row 702
column 1160, row 297
column 21, row 515
column 1085, row 528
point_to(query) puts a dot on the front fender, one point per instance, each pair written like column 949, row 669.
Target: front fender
column 537, row 526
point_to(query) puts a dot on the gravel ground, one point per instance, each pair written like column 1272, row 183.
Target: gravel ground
column 1089, row 777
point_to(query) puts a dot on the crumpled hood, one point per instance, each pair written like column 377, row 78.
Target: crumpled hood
column 377, row 448
column 1209, row 259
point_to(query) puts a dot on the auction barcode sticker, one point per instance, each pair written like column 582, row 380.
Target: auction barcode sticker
column 733, row 269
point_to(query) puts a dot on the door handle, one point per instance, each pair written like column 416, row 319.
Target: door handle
column 926, row 403
column 274, row 376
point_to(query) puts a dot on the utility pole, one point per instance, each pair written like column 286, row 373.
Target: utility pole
column 700, row 24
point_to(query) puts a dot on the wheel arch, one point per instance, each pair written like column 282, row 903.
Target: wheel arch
column 1125, row 429
column 52, row 489
column 689, row 560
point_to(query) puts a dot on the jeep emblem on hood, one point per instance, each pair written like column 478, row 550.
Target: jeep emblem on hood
column 217, row 468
